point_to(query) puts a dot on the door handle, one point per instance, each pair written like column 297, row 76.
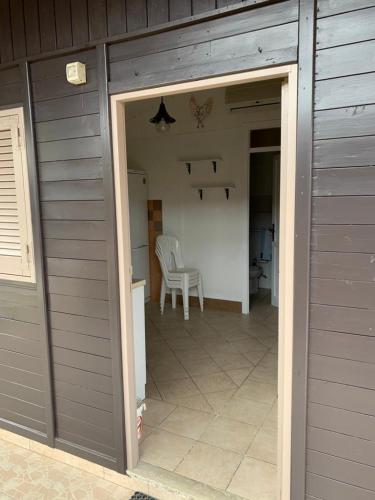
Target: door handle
column 272, row 231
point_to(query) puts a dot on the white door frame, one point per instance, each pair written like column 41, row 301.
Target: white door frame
column 287, row 216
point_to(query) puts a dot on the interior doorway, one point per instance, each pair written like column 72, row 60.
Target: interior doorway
column 264, row 202
column 287, row 169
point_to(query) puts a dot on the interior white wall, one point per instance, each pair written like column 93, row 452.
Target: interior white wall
column 213, row 232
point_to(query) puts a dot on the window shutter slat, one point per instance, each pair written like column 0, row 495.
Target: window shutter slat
column 4, row 238
column 6, row 171
column 5, row 134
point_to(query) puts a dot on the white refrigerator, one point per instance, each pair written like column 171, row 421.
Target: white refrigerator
column 138, row 212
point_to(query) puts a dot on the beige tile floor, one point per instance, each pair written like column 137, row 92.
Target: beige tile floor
column 27, row 475
column 212, row 397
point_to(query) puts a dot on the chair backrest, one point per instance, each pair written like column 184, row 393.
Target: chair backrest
column 168, row 250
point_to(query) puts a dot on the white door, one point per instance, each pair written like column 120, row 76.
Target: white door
column 275, row 231
column 138, row 209
column 141, row 268
column 139, row 341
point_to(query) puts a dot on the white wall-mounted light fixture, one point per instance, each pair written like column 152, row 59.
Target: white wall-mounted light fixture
column 76, row 73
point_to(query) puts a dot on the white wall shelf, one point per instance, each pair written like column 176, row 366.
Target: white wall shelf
column 211, row 162
column 203, row 187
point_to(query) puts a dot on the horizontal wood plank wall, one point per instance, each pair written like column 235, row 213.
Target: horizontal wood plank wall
column 341, row 411
column 34, row 27
column 22, row 388
column 70, row 151
column 258, row 38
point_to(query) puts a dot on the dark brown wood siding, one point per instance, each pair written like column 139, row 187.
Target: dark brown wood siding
column 259, row 38
column 23, row 397
column 341, row 390
column 36, row 27
column 75, row 236
column 22, row 394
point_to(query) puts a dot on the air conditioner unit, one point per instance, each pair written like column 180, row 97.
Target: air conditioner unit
column 253, row 94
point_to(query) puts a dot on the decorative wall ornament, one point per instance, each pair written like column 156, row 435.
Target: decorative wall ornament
column 200, row 112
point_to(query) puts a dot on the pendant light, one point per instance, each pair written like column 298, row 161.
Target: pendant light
column 162, row 119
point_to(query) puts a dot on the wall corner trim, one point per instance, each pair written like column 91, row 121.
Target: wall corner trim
column 306, row 40
column 40, row 276
column 113, row 277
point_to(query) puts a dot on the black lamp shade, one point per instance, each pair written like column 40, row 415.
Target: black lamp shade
column 162, row 115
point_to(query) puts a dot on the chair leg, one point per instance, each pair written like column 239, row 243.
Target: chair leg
column 163, row 291
column 174, row 297
column 185, row 296
column 200, row 292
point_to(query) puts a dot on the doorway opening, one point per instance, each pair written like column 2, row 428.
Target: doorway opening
column 218, row 387
column 264, row 200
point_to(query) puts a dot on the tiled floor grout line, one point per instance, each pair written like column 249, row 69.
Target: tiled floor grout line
column 198, row 335
column 198, row 440
column 221, row 370
column 234, row 473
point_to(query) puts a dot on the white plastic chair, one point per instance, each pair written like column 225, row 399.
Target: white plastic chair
column 175, row 276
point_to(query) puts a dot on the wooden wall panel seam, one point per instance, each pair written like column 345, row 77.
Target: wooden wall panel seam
column 245, row 5
column 32, row 28
column 211, row 30
column 356, row 490
column 327, row 8
column 63, row 24
column 356, row 25
column 343, row 470
column 6, row 42
column 345, row 122
column 18, row 29
column 328, row 488
column 38, row 255
column 306, row 47
column 113, row 278
column 215, row 58
column 77, row 449
column 23, row 430
column 341, row 446
column 47, row 14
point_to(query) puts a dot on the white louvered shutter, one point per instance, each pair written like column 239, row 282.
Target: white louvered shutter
column 15, row 241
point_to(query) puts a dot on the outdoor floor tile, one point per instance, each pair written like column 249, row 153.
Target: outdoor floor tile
column 263, row 446
column 254, row 480
column 164, row 449
column 177, row 388
column 214, row 382
column 231, row 361
column 239, row 375
column 197, row 402
column 242, row 410
column 257, row 391
column 229, row 434
column 200, row 366
column 209, row 465
column 156, row 411
column 186, row 422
